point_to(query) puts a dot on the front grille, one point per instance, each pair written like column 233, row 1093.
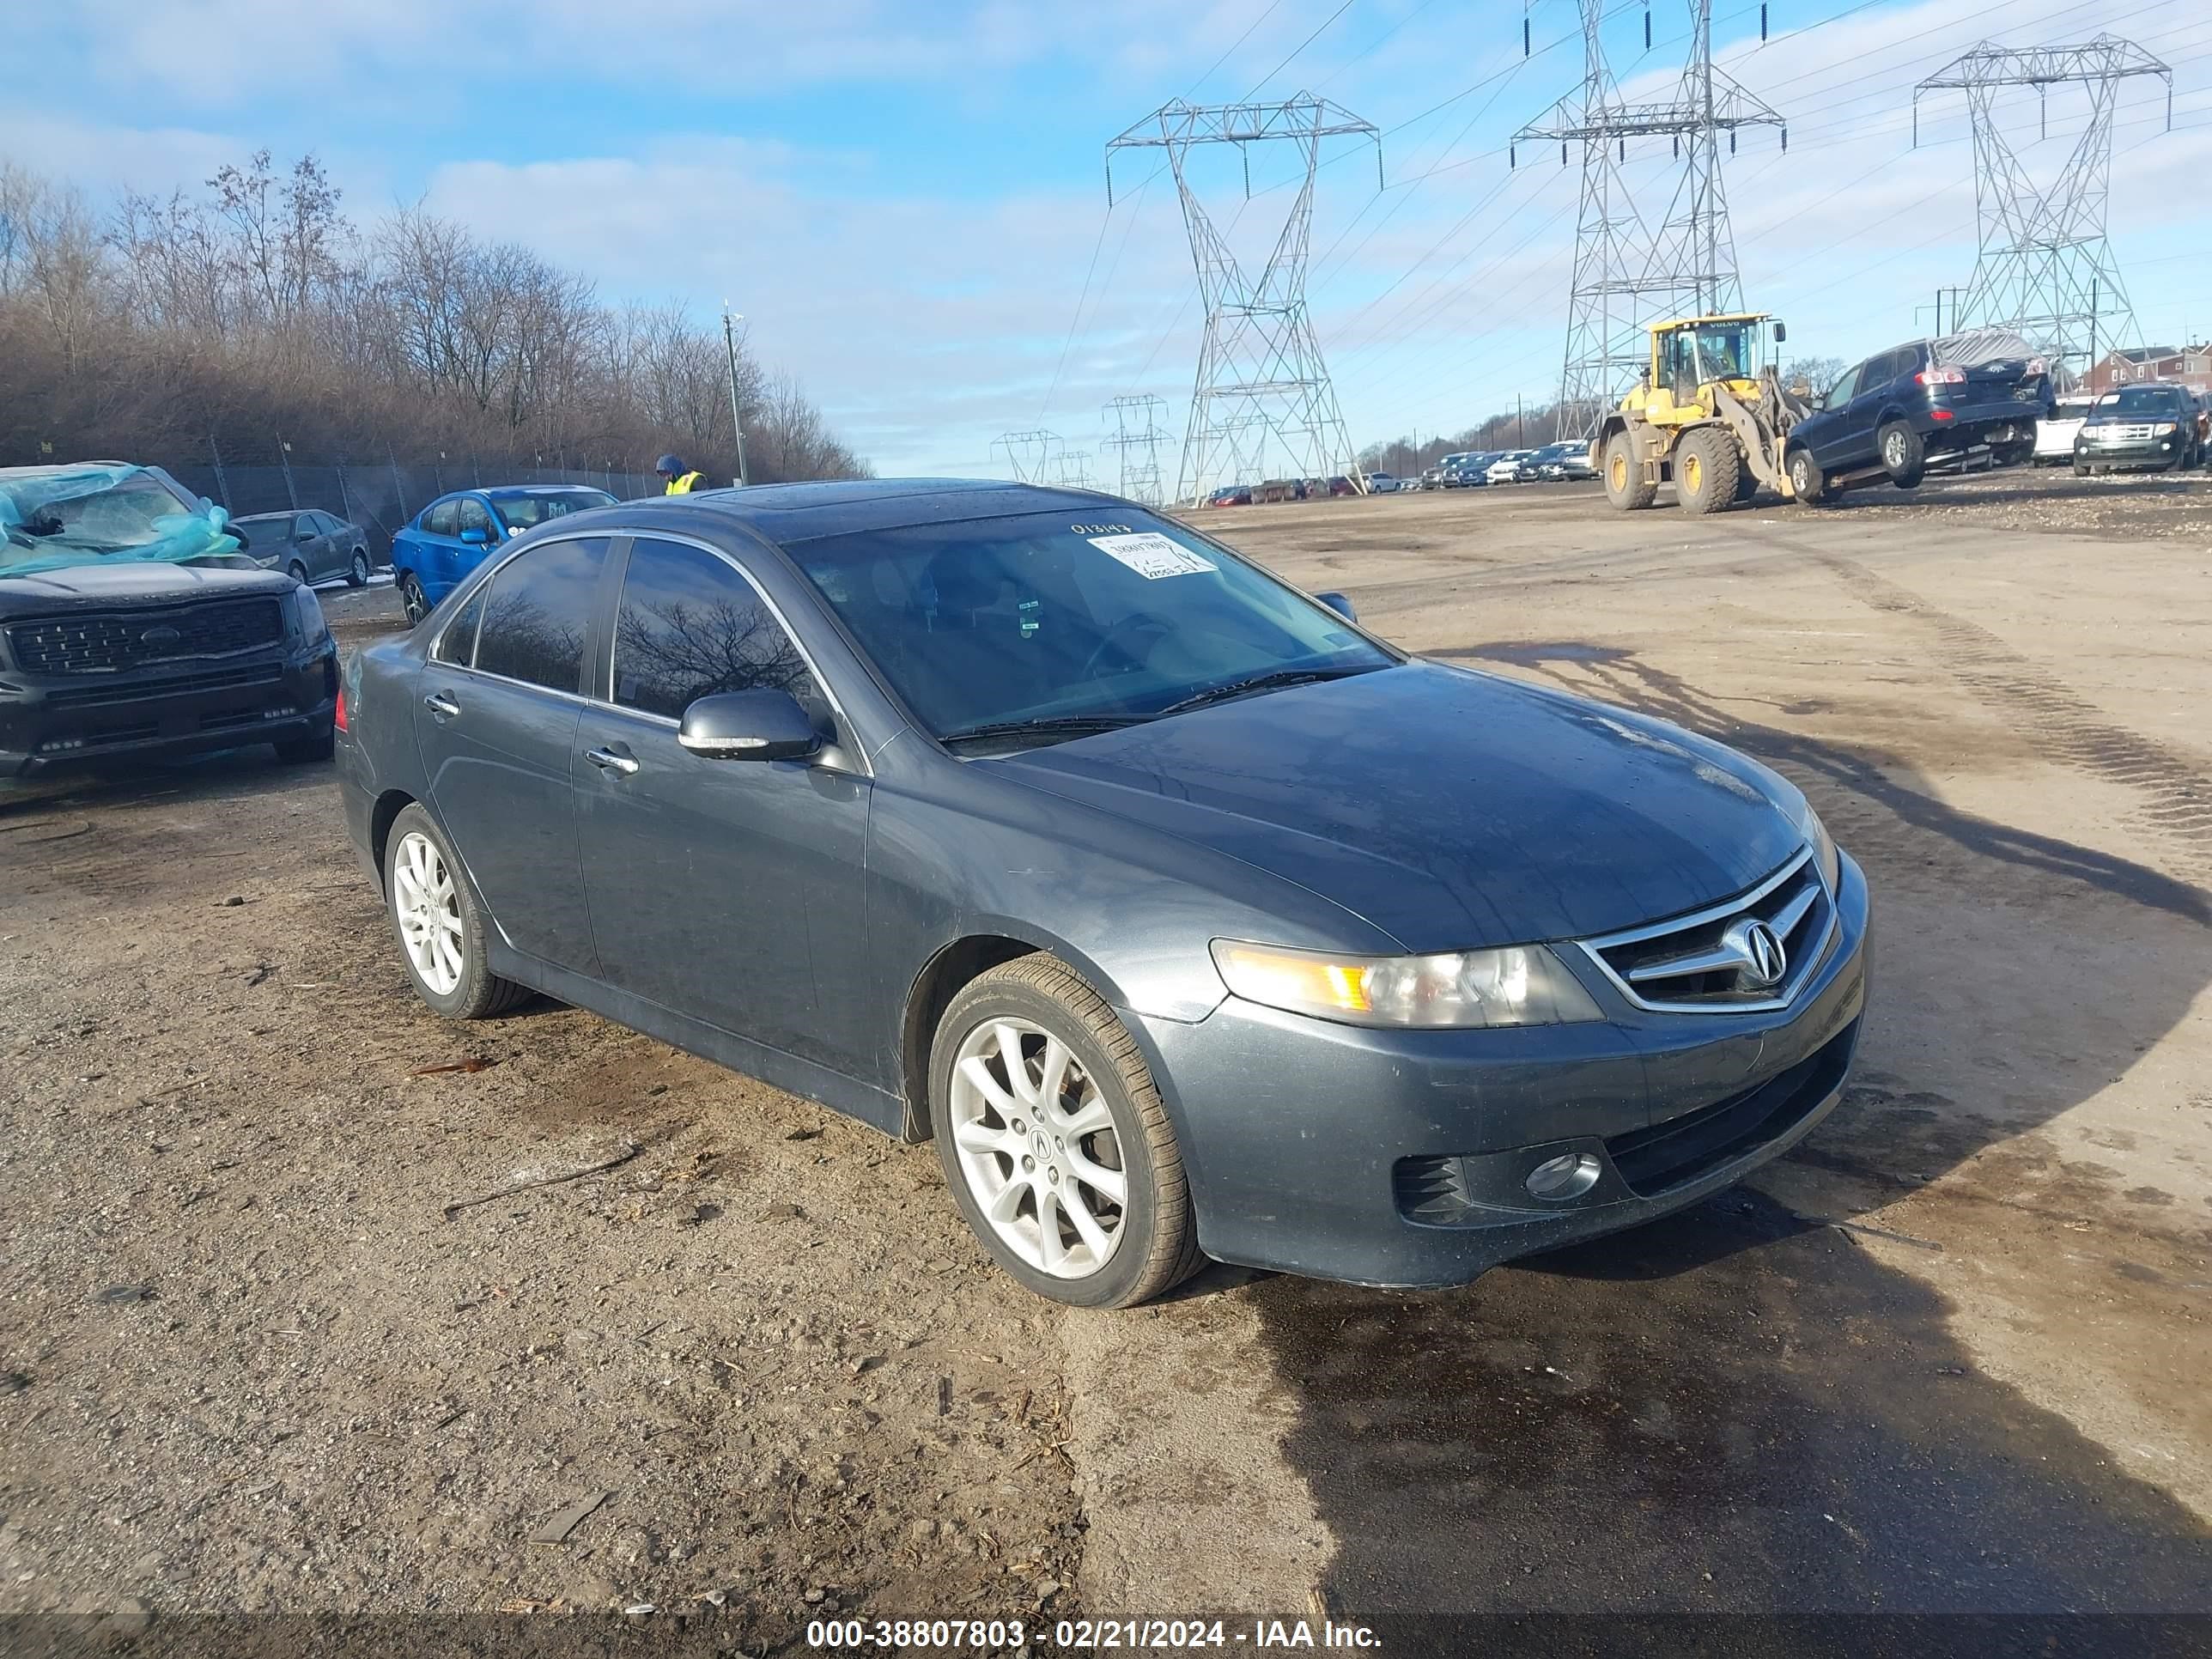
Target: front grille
column 1664, row 1156
column 2124, row 434
column 118, row 643
column 1709, row 962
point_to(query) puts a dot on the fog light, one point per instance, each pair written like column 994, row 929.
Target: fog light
column 1569, row 1176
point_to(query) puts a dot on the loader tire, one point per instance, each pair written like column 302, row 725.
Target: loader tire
column 1624, row 475
column 1707, row 466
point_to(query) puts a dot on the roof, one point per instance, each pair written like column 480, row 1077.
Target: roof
column 2147, row 354
column 807, row 511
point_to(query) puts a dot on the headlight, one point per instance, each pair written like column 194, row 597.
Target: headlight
column 2165, row 428
column 1519, row 985
column 1824, row 846
column 309, row 610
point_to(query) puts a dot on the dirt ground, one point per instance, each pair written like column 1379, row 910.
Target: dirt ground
column 310, row 1300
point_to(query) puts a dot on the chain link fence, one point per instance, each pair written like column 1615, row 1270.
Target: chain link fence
column 378, row 497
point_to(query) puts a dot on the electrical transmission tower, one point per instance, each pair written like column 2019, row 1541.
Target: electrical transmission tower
column 2044, row 269
column 1136, row 439
column 1628, row 273
column 1030, row 454
column 1072, row 470
column 1258, row 356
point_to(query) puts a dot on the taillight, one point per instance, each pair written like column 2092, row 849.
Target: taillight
column 1947, row 376
column 338, row 718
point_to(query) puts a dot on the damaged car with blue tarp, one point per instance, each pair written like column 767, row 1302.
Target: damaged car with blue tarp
column 132, row 623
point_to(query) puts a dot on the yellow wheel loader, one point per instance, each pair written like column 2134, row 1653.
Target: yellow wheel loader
column 1712, row 416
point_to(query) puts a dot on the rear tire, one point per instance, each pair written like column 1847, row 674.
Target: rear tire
column 1904, row 457
column 1707, row 470
column 357, row 573
column 1625, row 486
column 1808, row 485
column 410, row 598
column 439, row 928
column 1001, row 1036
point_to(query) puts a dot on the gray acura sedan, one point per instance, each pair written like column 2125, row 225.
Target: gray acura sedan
column 1186, row 916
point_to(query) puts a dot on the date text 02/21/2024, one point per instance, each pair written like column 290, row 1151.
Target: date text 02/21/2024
column 1093, row 1634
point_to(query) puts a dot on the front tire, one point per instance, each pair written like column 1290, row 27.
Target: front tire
column 1808, row 485
column 357, row 573
column 297, row 572
column 1625, row 486
column 1054, row 1141
column 305, row 752
column 410, row 598
column 1904, row 457
column 1707, row 470
column 441, row 929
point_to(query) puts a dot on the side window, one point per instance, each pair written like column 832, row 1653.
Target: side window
column 473, row 516
column 458, row 644
column 314, row 524
column 689, row 626
column 1887, row 367
column 538, row 615
column 443, row 520
column 1846, row 388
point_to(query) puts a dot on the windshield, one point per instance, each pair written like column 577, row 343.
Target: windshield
column 50, row 518
column 1045, row 617
column 528, row 512
column 1725, row 351
column 2140, row 400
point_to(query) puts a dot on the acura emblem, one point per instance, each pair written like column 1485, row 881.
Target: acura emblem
column 1763, row 959
column 160, row 639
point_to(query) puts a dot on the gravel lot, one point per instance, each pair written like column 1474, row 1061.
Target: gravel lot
column 285, row 1323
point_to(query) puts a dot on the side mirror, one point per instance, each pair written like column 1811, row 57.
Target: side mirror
column 761, row 725
column 1781, row 333
column 1339, row 604
column 476, row 536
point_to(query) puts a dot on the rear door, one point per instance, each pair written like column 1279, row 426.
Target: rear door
column 720, row 889
column 1877, row 393
column 496, row 724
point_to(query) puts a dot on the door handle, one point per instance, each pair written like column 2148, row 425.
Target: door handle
column 441, row 704
column 607, row 761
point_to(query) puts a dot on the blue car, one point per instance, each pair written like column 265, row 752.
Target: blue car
column 449, row 538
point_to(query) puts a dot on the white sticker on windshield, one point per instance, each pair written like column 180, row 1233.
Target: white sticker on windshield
column 1151, row 555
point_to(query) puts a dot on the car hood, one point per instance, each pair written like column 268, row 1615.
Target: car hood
column 129, row 581
column 1448, row 808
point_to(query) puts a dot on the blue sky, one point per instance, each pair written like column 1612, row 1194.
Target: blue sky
column 908, row 201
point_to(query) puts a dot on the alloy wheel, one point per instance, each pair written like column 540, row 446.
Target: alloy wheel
column 428, row 906
column 1037, row 1148
column 1892, row 452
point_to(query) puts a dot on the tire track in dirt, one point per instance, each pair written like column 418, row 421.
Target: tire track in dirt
column 2075, row 732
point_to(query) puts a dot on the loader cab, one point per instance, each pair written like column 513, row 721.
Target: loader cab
column 1695, row 352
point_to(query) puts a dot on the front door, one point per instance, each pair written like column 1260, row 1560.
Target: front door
column 728, row 890
column 495, row 718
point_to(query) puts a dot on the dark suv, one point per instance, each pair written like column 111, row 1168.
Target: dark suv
column 2151, row 426
column 109, row 647
column 1885, row 416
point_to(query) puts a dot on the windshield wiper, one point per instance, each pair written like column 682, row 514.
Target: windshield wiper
column 1045, row 726
column 1273, row 681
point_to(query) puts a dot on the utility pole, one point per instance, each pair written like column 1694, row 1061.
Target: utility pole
column 2044, row 269
column 1259, row 364
column 1032, row 456
column 1627, row 273
column 737, row 419
column 1139, row 445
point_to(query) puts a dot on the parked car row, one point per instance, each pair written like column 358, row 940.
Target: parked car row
column 2157, row 426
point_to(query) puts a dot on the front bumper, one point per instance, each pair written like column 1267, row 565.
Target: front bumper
column 2150, row 452
column 1399, row 1157
column 274, row 696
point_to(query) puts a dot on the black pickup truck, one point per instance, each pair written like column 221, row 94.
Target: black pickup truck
column 104, row 653
column 1886, row 415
